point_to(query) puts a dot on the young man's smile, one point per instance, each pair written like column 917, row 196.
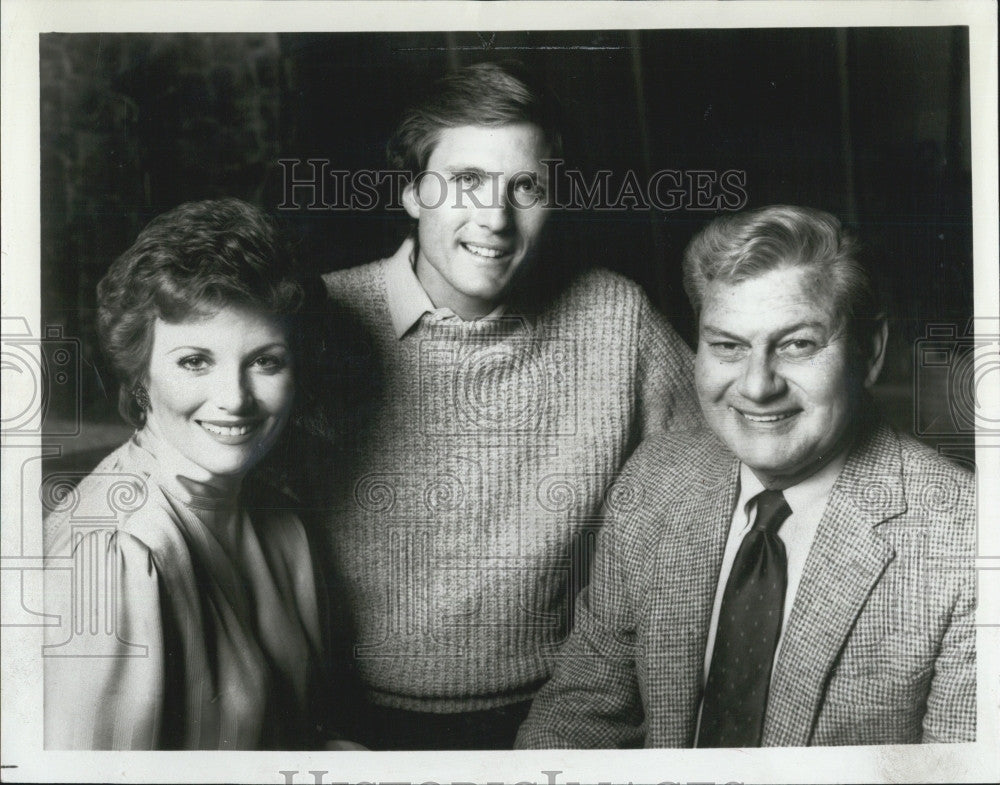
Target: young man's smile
column 479, row 218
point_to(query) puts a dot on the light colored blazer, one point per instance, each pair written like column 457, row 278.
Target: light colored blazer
column 880, row 644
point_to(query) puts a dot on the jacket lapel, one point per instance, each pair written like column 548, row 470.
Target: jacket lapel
column 689, row 564
column 845, row 562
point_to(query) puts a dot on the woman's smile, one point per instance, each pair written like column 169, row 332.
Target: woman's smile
column 220, row 387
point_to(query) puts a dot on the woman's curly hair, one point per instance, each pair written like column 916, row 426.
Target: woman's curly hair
column 190, row 262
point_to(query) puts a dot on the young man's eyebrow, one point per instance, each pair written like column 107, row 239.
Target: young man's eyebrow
column 456, row 168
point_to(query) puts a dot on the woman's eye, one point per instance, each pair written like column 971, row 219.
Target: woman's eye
column 194, row 362
column 269, row 362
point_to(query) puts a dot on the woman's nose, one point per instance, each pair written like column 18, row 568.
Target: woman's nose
column 234, row 393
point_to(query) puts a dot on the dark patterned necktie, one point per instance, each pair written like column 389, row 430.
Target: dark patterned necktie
column 747, row 634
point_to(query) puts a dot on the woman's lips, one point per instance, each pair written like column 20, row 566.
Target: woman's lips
column 230, row 433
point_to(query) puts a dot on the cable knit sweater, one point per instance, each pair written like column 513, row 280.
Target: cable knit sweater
column 462, row 499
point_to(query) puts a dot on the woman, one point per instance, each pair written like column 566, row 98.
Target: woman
column 190, row 621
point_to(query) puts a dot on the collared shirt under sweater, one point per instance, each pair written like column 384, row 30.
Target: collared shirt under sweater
column 462, row 500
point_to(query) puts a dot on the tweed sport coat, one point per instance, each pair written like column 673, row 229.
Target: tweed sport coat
column 879, row 647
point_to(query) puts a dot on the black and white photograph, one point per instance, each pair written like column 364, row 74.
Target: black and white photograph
column 457, row 392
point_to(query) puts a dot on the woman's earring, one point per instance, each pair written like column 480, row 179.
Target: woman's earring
column 141, row 397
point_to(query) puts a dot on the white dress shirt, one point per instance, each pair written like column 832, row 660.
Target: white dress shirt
column 807, row 500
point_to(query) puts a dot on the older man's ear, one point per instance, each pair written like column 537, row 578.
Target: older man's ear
column 876, row 349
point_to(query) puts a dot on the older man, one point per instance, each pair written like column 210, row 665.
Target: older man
column 802, row 578
column 494, row 407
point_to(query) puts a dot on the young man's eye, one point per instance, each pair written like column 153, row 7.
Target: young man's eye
column 468, row 179
column 194, row 362
column 528, row 185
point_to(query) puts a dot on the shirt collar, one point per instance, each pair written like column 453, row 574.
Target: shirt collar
column 812, row 490
column 408, row 299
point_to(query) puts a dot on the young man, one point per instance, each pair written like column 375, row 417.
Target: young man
column 495, row 409
column 803, row 578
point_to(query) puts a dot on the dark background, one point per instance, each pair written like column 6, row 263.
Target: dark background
column 871, row 124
